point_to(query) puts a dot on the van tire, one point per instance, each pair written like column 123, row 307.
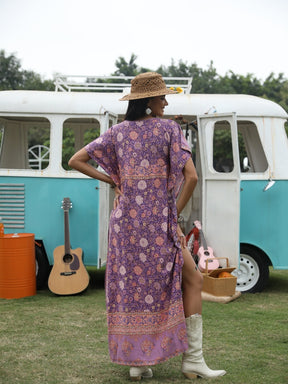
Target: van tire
column 253, row 272
column 42, row 266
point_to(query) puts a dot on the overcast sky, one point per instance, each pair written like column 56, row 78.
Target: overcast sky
column 86, row 37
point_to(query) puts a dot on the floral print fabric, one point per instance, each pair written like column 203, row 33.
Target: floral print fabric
column 146, row 323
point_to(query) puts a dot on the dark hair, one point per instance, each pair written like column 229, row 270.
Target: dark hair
column 136, row 109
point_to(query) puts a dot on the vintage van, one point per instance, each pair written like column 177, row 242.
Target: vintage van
column 240, row 199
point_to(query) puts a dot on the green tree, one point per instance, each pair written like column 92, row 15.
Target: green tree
column 126, row 68
column 234, row 83
column 13, row 77
column 180, row 70
column 204, row 80
column 33, row 81
column 10, row 71
column 276, row 89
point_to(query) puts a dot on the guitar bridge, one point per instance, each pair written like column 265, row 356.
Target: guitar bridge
column 67, row 273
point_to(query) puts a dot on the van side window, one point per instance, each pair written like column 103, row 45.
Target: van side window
column 25, row 142
column 222, row 147
column 251, row 152
column 76, row 134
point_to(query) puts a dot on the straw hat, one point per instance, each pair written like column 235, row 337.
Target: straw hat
column 148, row 84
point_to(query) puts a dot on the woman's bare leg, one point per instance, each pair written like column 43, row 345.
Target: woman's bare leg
column 192, row 282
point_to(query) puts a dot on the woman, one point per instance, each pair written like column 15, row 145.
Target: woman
column 146, row 159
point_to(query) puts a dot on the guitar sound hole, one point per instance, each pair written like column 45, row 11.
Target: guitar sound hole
column 67, row 258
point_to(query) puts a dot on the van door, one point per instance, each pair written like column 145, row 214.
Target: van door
column 220, row 184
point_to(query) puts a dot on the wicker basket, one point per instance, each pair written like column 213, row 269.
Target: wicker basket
column 217, row 286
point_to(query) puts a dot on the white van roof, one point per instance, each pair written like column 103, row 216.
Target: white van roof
column 91, row 103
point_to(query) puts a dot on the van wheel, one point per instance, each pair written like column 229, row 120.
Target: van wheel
column 42, row 266
column 253, row 272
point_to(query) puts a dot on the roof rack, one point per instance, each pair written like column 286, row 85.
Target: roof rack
column 68, row 83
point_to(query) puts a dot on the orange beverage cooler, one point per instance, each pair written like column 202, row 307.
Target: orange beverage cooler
column 17, row 266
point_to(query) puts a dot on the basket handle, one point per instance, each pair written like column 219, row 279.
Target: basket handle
column 218, row 258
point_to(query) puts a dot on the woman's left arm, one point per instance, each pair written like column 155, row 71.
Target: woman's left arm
column 79, row 161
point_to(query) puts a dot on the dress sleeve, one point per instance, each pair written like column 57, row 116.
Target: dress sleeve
column 179, row 154
column 102, row 150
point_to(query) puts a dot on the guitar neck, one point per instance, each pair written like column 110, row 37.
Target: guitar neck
column 66, row 233
column 203, row 241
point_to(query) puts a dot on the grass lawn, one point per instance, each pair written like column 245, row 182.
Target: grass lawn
column 54, row 339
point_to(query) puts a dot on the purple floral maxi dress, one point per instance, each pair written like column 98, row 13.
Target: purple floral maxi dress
column 146, row 323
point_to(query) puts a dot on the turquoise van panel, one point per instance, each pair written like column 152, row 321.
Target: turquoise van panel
column 264, row 219
column 45, row 218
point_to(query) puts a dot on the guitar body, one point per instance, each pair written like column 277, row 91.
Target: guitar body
column 205, row 254
column 68, row 275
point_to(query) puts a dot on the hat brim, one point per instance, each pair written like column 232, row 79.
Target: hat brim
column 135, row 96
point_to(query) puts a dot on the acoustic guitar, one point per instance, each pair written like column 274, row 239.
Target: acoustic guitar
column 205, row 253
column 68, row 275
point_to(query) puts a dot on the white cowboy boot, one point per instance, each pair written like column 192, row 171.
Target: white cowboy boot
column 193, row 363
column 137, row 373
